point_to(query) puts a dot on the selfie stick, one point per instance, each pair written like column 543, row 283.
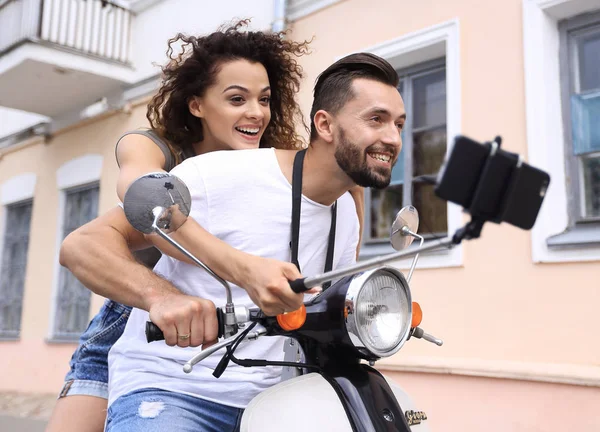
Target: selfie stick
column 489, row 184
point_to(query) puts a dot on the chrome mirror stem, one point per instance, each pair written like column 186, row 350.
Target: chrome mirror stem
column 230, row 325
column 407, row 232
column 157, row 211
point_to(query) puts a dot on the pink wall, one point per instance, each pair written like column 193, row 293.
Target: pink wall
column 34, row 366
column 499, row 313
column 468, row 404
column 499, row 305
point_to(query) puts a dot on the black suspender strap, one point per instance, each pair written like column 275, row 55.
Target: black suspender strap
column 331, row 244
column 296, row 212
column 296, row 202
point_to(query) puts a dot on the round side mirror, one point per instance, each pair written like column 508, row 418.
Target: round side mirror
column 157, row 194
column 406, row 222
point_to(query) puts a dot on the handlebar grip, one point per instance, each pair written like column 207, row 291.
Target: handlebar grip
column 220, row 323
column 153, row 333
column 298, row 285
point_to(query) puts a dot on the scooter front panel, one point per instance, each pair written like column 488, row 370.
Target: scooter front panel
column 302, row 404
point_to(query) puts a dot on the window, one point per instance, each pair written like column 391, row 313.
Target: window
column 13, row 266
column 580, row 75
column 547, row 28
column 73, row 299
column 583, row 64
column 424, row 138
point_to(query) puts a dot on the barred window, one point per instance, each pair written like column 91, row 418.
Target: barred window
column 73, row 299
column 14, row 265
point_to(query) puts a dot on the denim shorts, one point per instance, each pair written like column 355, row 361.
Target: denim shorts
column 156, row 410
column 89, row 364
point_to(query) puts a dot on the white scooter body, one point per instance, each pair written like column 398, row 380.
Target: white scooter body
column 308, row 403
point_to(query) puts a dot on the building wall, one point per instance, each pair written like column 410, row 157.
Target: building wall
column 460, row 403
column 498, row 304
column 500, row 314
column 519, row 351
column 32, row 364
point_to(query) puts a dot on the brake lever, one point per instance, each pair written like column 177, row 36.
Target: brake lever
column 258, row 331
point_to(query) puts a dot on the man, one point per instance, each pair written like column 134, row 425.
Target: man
column 244, row 198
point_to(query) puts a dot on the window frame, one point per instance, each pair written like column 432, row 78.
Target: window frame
column 78, row 172
column 58, row 335
column 552, row 239
column 439, row 40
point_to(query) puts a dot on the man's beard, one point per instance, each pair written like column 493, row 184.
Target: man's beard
column 353, row 161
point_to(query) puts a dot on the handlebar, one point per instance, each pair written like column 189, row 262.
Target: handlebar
column 154, row 333
column 298, row 285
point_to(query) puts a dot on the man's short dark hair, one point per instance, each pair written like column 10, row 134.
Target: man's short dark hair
column 333, row 88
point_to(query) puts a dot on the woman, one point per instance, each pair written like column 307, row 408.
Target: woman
column 228, row 90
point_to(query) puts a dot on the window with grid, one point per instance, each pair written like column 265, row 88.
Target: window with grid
column 13, row 267
column 73, row 299
column 423, row 89
column 581, row 70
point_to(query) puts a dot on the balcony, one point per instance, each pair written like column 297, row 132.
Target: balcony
column 57, row 56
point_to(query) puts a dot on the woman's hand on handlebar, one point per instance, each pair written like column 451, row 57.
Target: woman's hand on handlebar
column 186, row 321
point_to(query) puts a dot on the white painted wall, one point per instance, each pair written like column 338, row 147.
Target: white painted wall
column 154, row 26
column 12, row 120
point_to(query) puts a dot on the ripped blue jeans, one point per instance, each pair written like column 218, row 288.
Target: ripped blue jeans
column 156, row 410
column 88, row 374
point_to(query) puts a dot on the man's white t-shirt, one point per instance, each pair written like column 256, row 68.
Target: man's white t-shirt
column 243, row 198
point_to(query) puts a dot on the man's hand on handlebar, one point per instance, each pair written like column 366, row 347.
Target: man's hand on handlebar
column 267, row 283
column 186, row 321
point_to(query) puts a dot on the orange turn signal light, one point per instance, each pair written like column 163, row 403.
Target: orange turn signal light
column 292, row 320
column 417, row 315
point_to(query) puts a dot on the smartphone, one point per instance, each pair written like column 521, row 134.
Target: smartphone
column 491, row 183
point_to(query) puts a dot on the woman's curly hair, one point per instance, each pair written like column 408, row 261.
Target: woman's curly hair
column 194, row 68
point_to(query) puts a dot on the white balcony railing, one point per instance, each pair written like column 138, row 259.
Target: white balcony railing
column 94, row 27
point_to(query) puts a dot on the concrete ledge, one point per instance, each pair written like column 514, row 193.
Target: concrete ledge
column 581, row 375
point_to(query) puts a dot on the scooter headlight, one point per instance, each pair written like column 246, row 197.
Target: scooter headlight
column 379, row 311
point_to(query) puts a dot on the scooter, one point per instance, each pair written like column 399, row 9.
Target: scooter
column 336, row 337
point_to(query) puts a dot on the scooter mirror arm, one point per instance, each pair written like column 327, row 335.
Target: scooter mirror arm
column 229, row 318
column 407, row 231
column 157, row 211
